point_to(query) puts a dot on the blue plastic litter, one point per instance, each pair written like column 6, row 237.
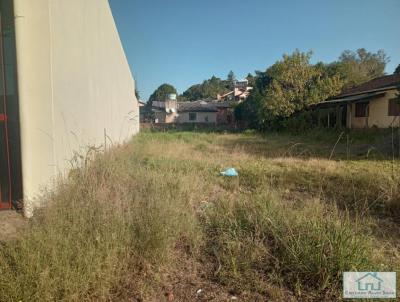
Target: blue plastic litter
column 230, row 172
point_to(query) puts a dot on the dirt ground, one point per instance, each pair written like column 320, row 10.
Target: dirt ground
column 11, row 223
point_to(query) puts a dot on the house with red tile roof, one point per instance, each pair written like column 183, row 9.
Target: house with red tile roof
column 375, row 103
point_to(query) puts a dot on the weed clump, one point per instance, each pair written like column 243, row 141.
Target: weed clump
column 306, row 248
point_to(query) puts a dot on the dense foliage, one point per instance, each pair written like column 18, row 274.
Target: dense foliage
column 286, row 87
column 162, row 92
column 209, row 89
column 357, row 67
column 293, row 84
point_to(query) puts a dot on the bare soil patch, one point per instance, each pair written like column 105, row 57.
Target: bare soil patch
column 11, row 223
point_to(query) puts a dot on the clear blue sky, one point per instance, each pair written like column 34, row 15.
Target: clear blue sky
column 183, row 42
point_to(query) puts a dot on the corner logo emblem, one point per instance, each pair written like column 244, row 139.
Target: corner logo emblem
column 365, row 285
column 370, row 281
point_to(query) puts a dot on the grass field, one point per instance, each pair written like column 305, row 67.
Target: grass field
column 154, row 220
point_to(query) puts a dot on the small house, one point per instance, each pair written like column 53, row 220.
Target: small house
column 197, row 112
column 172, row 111
column 375, row 103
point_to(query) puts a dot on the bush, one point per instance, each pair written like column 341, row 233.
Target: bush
column 300, row 122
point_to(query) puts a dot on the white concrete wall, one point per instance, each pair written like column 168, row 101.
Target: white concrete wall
column 378, row 114
column 74, row 82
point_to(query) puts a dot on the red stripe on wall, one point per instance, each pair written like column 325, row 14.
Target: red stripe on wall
column 3, row 117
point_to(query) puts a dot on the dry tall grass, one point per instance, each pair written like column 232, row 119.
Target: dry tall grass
column 285, row 229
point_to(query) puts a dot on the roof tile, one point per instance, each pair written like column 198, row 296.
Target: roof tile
column 377, row 83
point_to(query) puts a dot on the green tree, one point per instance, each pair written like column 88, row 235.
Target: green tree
column 290, row 85
column 397, row 70
column 161, row 93
column 207, row 90
column 358, row 67
column 296, row 84
column 231, row 78
column 251, row 79
column 250, row 111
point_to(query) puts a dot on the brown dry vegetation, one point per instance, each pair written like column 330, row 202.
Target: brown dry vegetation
column 153, row 220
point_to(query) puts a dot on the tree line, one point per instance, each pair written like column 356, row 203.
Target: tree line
column 209, row 89
column 290, row 85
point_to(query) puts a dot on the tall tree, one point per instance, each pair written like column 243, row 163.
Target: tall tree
column 161, row 93
column 397, row 70
column 251, row 79
column 209, row 89
column 296, row 84
column 231, row 77
column 289, row 86
column 359, row 66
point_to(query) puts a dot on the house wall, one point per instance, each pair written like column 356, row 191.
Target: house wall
column 171, row 117
column 163, row 117
column 225, row 116
column 201, row 117
column 74, row 85
column 160, row 117
column 378, row 114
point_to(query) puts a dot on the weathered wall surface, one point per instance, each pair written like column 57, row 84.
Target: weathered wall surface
column 378, row 114
column 201, row 117
column 74, row 84
column 379, row 110
column 163, row 117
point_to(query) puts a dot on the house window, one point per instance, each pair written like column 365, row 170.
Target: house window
column 206, row 118
column 362, row 109
column 394, row 107
column 192, row 116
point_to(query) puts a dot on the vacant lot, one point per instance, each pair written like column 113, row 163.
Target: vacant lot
column 154, row 220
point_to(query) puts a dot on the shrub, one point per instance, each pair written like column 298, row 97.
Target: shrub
column 300, row 122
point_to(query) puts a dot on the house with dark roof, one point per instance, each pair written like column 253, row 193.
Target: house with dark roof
column 197, row 112
column 375, row 103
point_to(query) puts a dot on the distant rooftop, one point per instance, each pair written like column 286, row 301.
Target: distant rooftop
column 375, row 84
column 194, row 106
column 197, row 106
